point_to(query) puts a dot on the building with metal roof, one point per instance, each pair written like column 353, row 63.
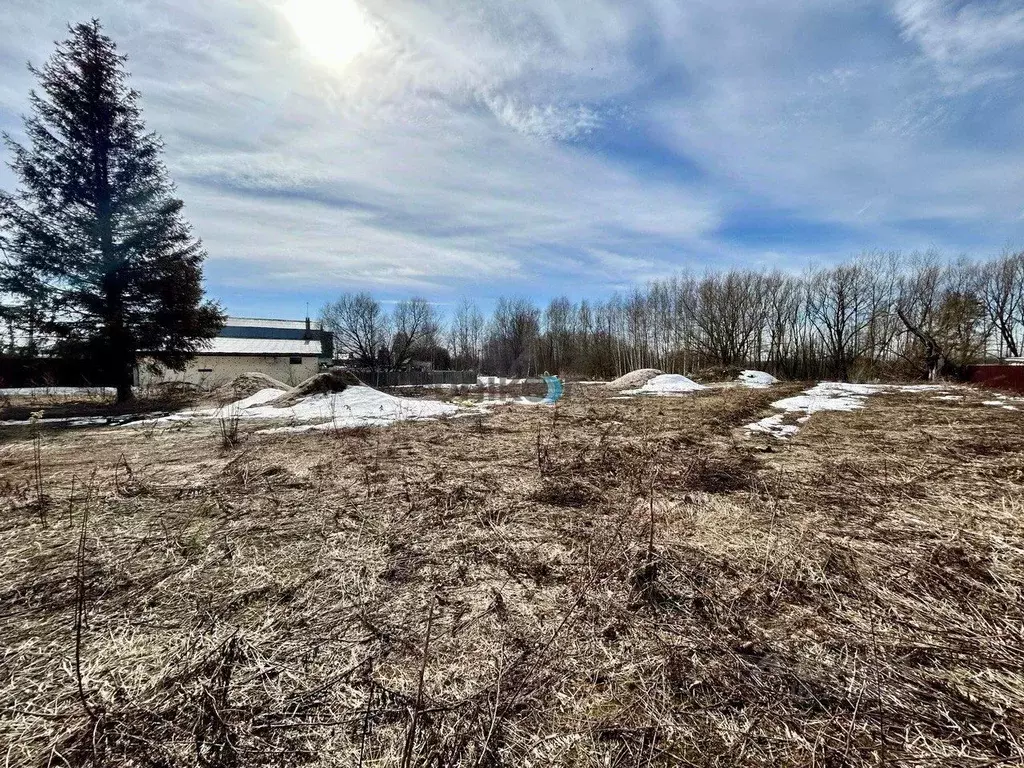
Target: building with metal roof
column 288, row 350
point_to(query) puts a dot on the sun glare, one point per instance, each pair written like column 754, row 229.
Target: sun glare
column 333, row 31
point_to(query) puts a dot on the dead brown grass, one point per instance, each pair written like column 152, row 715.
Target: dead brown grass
column 603, row 583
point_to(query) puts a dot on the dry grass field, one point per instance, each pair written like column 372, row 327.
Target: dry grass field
column 602, row 583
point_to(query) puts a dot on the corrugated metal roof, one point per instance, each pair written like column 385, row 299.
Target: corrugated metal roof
column 266, row 322
column 291, row 347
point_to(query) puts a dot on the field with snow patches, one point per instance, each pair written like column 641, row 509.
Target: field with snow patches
column 755, row 574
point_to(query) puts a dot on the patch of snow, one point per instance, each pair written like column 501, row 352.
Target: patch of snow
column 812, row 403
column 72, row 421
column 259, row 398
column 667, row 384
column 434, row 386
column 353, row 407
column 833, row 388
column 33, row 391
column 825, row 396
column 837, row 396
column 756, row 379
column 498, row 381
column 773, row 425
column 1001, row 404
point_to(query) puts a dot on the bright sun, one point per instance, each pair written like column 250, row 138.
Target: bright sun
column 333, row 31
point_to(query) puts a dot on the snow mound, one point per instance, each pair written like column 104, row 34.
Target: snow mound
column 667, row 384
column 634, row 379
column 353, row 407
column 756, row 379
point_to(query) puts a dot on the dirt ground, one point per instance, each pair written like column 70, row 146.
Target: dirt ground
column 602, row 583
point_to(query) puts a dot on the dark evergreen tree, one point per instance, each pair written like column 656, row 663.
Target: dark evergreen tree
column 23, row 302
column 95, row 232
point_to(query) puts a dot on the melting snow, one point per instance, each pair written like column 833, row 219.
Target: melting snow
column 756, row 379
column 1001, row 403
column 354, row 407
column 773, row 425
column 666, row 384
column 71, row 421
column 826, row 396
column 33, row 391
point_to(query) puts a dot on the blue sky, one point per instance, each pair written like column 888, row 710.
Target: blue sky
column 538, row 147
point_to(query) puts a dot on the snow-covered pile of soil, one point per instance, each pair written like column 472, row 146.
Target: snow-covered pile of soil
column 634, row 379
column 332, row 381
column 245, row 384
column 667, row 384
column 356, row 406
column 756, row 379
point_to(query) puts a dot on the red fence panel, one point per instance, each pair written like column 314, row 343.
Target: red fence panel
column 997, row 376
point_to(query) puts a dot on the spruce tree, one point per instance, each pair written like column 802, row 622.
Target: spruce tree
column 95, row 232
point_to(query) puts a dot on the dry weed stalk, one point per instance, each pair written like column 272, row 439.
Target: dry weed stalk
column 630, row 583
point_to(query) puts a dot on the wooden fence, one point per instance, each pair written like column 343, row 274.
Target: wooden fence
column 414, row 378
column 48, row 372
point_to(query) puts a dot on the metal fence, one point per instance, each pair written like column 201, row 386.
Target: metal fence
column 413, row 378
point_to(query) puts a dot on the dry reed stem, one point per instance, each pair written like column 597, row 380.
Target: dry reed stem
column 853, row 597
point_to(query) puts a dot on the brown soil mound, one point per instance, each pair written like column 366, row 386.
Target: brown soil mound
column 246, row 384
column 634, row 379
column 334, row 380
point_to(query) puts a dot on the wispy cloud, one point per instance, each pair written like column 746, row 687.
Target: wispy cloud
column 547, row 122
column 471, row 148
column 966, row 41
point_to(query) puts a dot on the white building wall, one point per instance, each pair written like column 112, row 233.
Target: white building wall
column 211, row 371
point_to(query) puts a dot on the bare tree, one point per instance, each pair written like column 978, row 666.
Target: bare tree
column 415, row 327
column 729, row 315
column 837, row 309
column 466, row 334
column 940, row 307
column 1002, row 295
column 360, row 326
column 512, row 341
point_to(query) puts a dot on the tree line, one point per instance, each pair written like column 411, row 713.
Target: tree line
column 880, row 315
column 98, row 264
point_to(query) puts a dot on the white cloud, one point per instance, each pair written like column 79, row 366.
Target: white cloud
column 461, row 145
column 546, row 122
column 961, row 39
